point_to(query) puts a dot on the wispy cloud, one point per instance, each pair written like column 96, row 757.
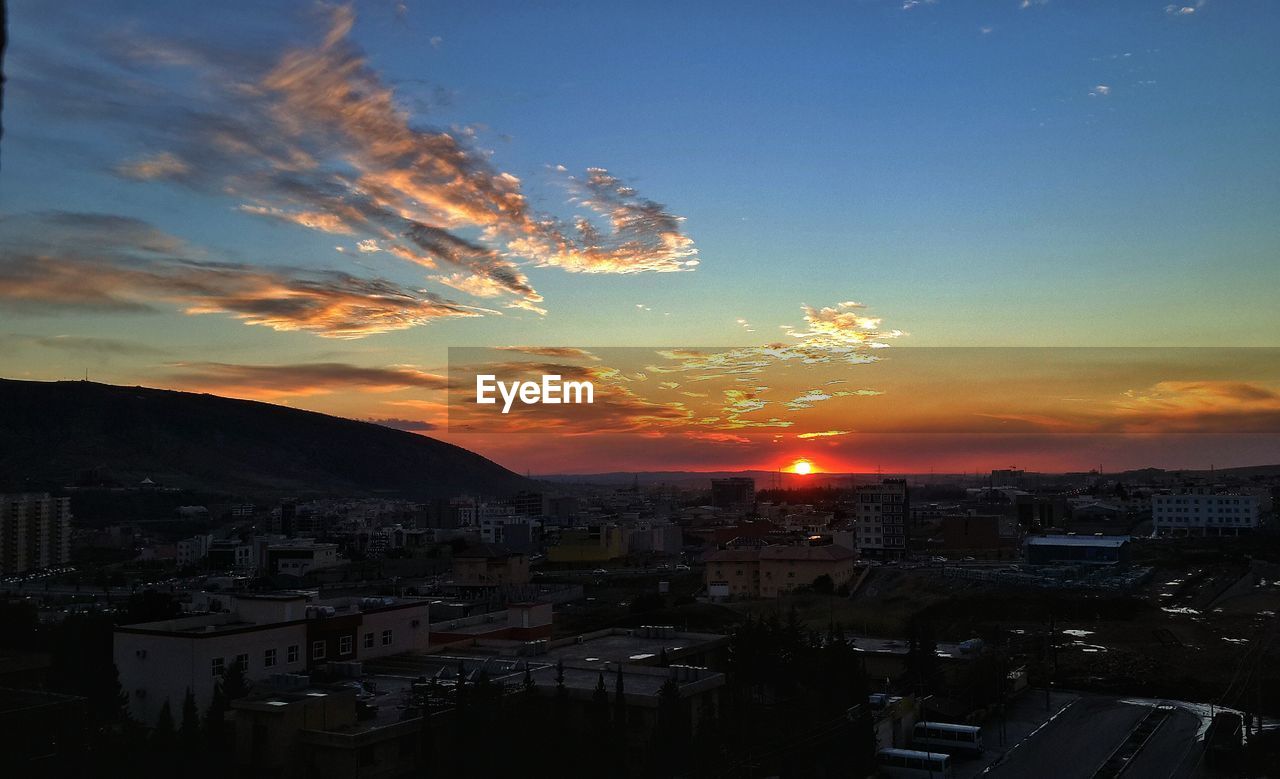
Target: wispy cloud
column 562, row 352
column 1184, row 10
column 85, row 344
column 58, row 260
column 269, row 382
column 317, row 139
column 409, row 425
column 824, row 434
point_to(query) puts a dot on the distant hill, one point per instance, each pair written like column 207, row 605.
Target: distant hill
column 54, row 433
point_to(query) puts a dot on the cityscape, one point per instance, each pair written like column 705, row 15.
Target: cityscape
column 873, row 389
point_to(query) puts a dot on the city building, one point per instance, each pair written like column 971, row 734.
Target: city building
column 192, row 550
column 768, row 571
column 326, row 731
column 734, row 492
column 266, row 634
column 880, row 512
column 982, row 535
column 35, row 532
column 295, row 557
column 1198, row 511
column 1097, row 550
column 593, row 543
column 486, row 565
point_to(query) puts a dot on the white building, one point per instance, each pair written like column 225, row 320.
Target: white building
column 267, row 634
column 1200, row 512
column 193, row 550
column 880, row 514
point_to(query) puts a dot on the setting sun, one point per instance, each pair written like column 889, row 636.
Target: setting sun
column 802, row 467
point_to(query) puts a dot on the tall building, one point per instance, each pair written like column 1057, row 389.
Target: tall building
column 734, row 492
column 881, row 511
column 35, row 532
column 1197, row 511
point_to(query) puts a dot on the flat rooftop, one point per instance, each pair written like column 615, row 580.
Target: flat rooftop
column 1109, row 542
column 900, row 646
column 630, row 647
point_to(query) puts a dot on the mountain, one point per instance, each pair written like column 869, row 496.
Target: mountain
column 54, row 433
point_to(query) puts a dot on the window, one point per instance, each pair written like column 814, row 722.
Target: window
column 291, row 654
column 317, row 650
column 219, row 665
column 344, row 645
column 243, row 662
column 386, row 638
column 368, row 640
column 269, row 658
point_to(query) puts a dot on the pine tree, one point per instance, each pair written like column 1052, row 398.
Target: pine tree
column 215, row 727
column 619, row 703
column 189, row 733
column 163, row 738
column 234, row 684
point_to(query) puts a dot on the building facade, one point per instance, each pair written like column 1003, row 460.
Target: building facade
column 733, row 492
column 266, row 634
column 880, row 515
column 35, row 532
column 1200, row 512
column 769, row 571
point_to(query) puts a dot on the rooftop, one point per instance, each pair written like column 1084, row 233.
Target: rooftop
column 1109, row 542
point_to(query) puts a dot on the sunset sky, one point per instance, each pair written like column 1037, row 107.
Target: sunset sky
column 757, row 203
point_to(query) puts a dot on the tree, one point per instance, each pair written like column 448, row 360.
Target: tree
column 215, row 727
column 163, row 738
column 823, row 585
column 672, row 733
column 234, row 684
column 189, row 733
column 922, row 655
column 619, row 703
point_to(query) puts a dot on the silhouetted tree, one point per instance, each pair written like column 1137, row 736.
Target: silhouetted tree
column 163, row 737
column 823, row 585
column 189, row 733
column 234, row 684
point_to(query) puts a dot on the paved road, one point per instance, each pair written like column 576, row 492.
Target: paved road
column 1075, row 743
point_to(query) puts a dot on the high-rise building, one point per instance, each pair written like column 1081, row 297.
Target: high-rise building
column 734, row 492
column 881, row 512
column 35, row 532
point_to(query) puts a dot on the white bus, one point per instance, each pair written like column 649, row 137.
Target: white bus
column 910, row 763
column 947, row 737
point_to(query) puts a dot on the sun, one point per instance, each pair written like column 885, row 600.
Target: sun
column 802, row 467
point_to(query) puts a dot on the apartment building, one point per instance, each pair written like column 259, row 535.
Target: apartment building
column 763, row 571
column 1199, row 511
column 35, row 532
column 266, row 634
column 880, row 516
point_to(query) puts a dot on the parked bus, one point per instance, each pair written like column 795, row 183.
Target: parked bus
column 911, row 764
column 946, row 737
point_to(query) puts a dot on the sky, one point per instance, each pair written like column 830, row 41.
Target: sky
column 308, row 204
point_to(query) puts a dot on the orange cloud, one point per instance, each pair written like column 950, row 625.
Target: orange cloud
column 114, row 263
column 271, row 382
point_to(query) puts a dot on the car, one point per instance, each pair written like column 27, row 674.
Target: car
column 968, row 559
column 938, row 559
column 683, row 567
column 600, row 572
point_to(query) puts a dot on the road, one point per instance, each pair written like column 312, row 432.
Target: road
column 1078, row 738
